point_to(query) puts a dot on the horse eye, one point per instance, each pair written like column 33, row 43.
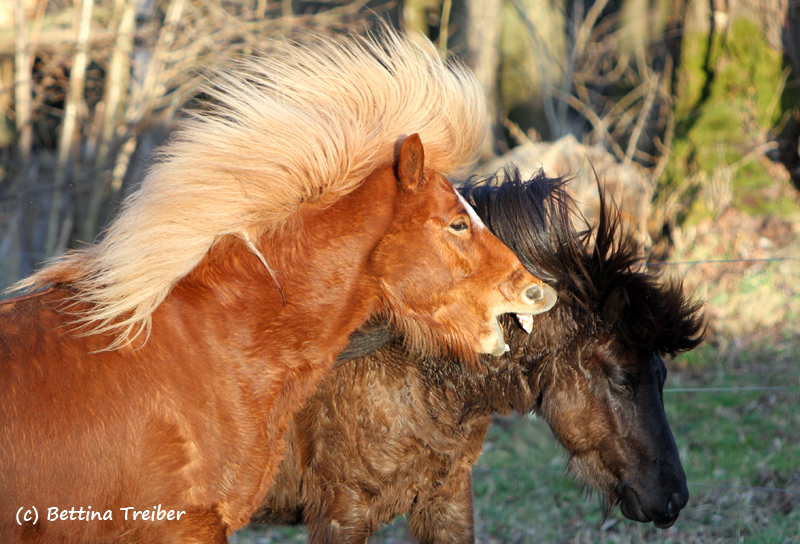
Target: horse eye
column 622, row 385
column 459, row 225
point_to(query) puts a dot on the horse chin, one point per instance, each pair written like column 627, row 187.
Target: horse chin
column 494, row 343
column 665, row 524
column 631, row 508
column 590, row 470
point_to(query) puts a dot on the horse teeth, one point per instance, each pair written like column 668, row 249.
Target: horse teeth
column 526, row 322
column 507, row 348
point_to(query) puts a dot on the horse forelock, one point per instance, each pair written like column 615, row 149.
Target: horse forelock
column 587, row 266
column 307, row 122
column 532, row 217
column 648, row 313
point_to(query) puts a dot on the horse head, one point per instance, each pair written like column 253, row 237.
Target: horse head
column 594, row 364
column 445, row 276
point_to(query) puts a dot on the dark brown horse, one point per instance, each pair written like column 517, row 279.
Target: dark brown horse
column 391, row 434
column 144, row 395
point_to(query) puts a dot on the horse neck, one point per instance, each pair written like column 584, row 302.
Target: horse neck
column 296, row 292
column 516, row 381
column 497, row 385
column 511, row 383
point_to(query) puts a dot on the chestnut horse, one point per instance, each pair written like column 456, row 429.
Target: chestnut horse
column 145, row 393
column 392, row 434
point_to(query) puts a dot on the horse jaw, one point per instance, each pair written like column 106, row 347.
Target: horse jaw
column 494, row 342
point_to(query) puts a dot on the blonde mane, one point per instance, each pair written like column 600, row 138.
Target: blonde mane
column 307, row 122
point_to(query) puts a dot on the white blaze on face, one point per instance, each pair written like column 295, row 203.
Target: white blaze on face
column 473, row 217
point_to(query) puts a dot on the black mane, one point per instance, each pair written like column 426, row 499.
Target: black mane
column 594, row 267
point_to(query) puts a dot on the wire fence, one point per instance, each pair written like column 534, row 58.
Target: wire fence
column 737, row 487
column 732, row 389
column 756, row 488
column 718, row 261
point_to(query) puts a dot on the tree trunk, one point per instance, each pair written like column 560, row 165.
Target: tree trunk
column 731, row 100
column 483, row 57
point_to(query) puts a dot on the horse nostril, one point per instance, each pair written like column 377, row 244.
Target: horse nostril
column 534, row 292
column 672, row 505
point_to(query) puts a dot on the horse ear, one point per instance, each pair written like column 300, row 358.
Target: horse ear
column 411, row 163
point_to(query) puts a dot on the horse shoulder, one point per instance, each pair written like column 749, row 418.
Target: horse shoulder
column 163, row 417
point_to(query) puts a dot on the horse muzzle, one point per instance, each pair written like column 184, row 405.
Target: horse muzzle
column 538, row 298
column 662, row 510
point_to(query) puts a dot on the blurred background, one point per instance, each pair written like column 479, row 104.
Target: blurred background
column 688, row 110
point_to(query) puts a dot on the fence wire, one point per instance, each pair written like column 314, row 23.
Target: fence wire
column 521, row 468
column 717, row 261
column 733, row 389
